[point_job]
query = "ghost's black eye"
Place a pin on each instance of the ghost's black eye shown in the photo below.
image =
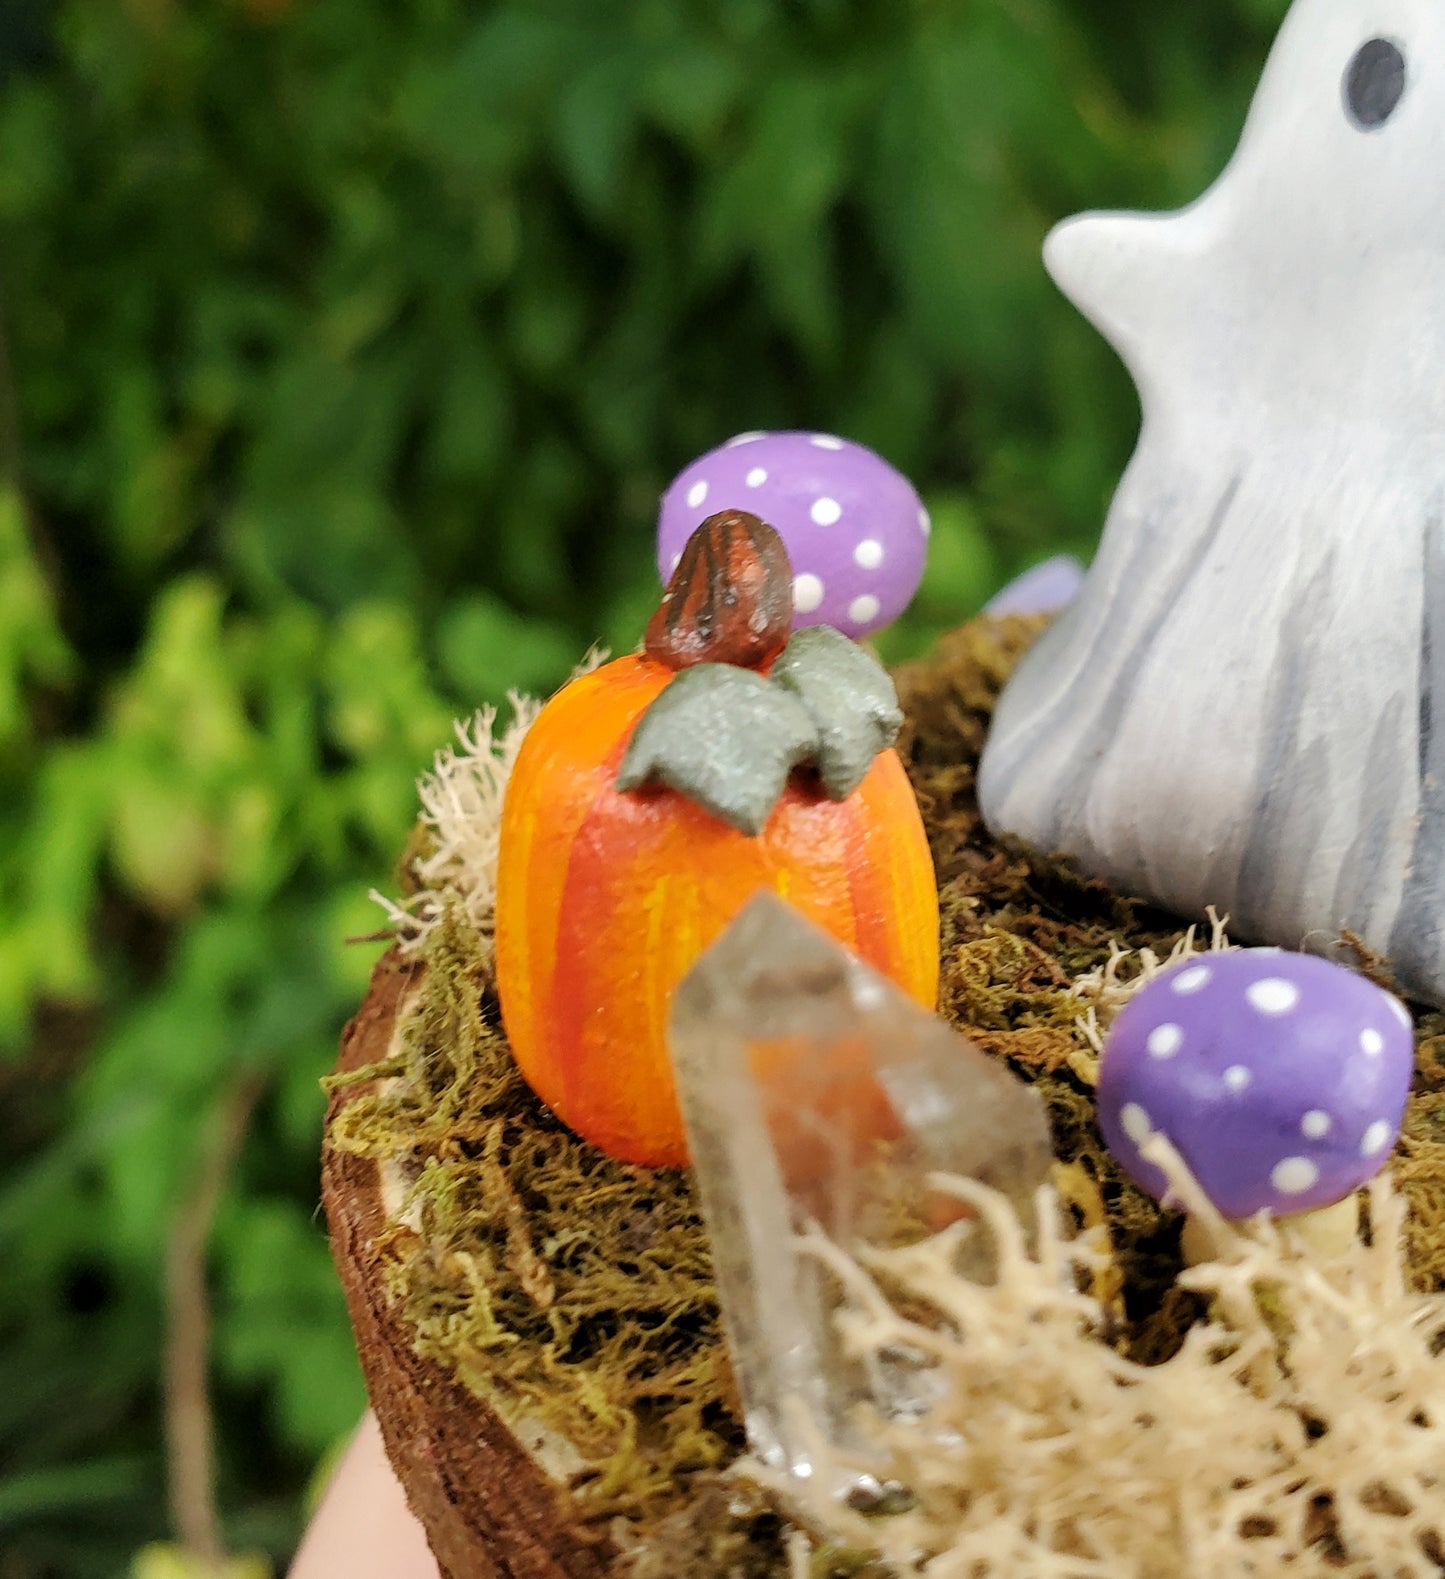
(1374, 82)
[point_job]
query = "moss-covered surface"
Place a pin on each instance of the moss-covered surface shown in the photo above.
(576, 1291)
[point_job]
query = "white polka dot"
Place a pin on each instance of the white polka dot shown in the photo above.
(1273, 995)
(696, 494)
(1191, 980)
(826, 441)
(869, 553)
(744, 438)
(756, 477)
(1294, 1176)
(862, 610)
(807, 593)
(676, 560)
(1316, 1124)
(1402, 1014)
(826, 511)
(1238, 1078)
(1372, 1042)
(1136, 1123)
(1165, 1040)
(1377, 1137)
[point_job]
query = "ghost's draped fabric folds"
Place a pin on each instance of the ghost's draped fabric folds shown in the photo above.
(1246, 705)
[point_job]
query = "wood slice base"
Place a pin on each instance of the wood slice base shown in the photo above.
(497, 1499)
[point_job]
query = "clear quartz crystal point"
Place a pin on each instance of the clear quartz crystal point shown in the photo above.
(816, 1092)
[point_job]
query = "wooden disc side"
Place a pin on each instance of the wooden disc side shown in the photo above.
(489, 1510)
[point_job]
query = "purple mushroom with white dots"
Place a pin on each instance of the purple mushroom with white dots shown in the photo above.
(854, 527)
(1279, 1078)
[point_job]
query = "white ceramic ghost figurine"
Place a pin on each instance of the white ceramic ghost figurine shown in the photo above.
(1245, 706)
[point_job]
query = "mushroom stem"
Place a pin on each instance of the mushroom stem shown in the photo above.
(1328, 1231)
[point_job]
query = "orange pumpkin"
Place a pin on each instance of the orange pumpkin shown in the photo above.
(606, 898)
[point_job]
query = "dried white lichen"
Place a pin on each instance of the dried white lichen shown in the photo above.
(1299, 1431)
(1106, 989)
(461, 808)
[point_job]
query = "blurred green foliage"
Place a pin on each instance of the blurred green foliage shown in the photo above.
(347, 347)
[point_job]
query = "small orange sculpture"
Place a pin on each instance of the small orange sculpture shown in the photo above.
(605, 898)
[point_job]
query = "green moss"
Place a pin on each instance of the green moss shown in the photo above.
(1419, 1163)
(568, 1289)
(577, 1291)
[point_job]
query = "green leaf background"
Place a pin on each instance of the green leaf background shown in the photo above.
(345, 348)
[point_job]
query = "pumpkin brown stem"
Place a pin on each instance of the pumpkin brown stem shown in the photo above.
(730, 599)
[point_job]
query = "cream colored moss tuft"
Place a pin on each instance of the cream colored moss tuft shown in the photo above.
(1299, 1430)
(461, 818)
(1105, 990)
(453, 860)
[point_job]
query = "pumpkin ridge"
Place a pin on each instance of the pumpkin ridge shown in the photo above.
(870, 891)
(616, 901)
(530, 877)
(912, 881)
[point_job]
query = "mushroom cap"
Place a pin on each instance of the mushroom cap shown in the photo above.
(1043, 589)
(1280, 1078)
(854, 527)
